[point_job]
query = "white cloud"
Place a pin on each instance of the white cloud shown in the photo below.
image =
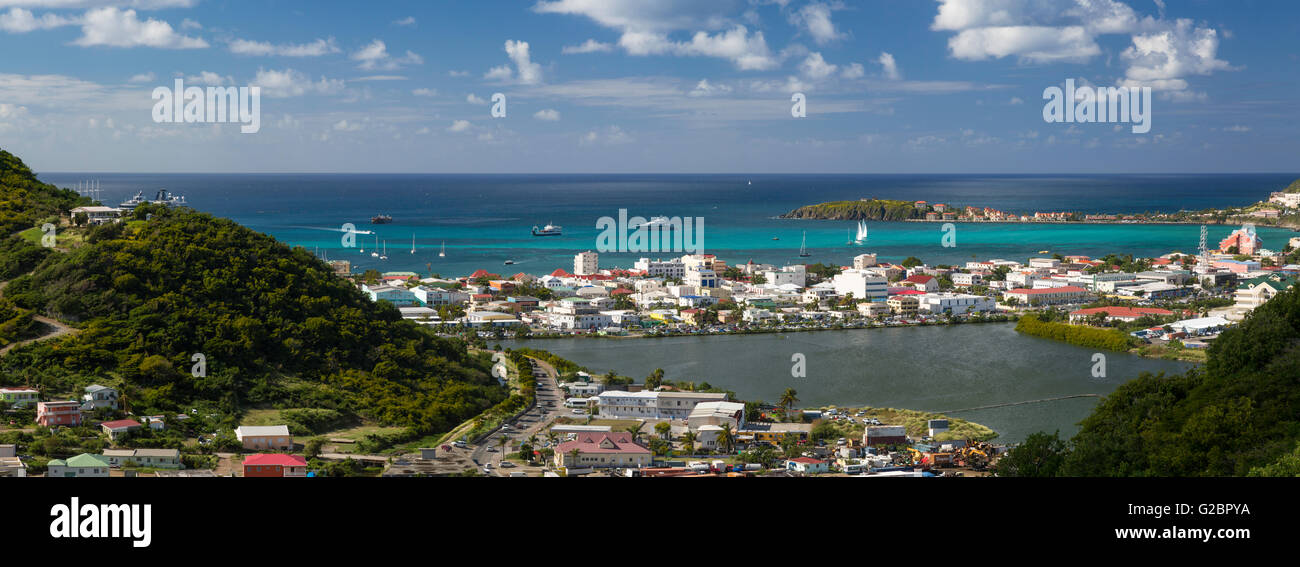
(474, 99)
(288, 83)
(345, 126)
(705, 88)
(425, 92)
(853, 71)
(142, 78)
(374, 56)
(589, 46)
(208, 78)
(77, 4)
(611, 135)
(816, 68)
(407, 21)
(1016, 101)
(1162, 55)
(890, 66)
(1160, 59)
(528, 72)
(815, 20)
(646, 27)
(260, 48)
(188, 24)
(549, 115)
(460, 126)
(18, 20)
(121, 28)
(1237, 128)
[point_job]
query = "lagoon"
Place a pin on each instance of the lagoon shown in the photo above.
(934, 368)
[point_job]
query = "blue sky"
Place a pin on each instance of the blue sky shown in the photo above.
(945, 86)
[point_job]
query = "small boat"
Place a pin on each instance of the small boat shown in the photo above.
(443, 253)
(509, 262)
(412, 242)
(162, 198)
(803, 249)
(374, 252)
(384, 256)
(548, 230)
(1044, 251)
(381, 219)
(776, 238)
(862, 232)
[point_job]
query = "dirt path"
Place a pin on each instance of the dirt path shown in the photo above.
(52, 329)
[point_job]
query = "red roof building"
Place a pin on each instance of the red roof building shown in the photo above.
(602, 450)
(1119, 313)
(274, 465)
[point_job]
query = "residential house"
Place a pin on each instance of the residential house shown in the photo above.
(274, 465)
(50, 414)
(119, 429)
(83, 465)
(19, 397)
(807, 465)
(151, 458)
(265, 437)
(97, 396)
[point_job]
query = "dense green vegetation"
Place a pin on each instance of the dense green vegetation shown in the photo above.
(868, 209)
(1080, 335)
(1294, 187)
(1238, 415)
(26, 202)
(15, 324)
(276, 327)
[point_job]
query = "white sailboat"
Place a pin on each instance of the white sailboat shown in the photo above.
(412, 242)
(384, 256)
(443, 253)
(803, 248)
(862, 232)
(374, 252)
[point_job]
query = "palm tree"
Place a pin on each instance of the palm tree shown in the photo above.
(635, 430)
(788, 399)
(727, 438)
(688, 442)
(573, 456)
(502, 442)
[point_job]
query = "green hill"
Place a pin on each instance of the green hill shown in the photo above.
(276, 326)
(1238, 415)
(866, 209)
(26, 202)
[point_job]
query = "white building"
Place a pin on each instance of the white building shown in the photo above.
(671, 268)
(586, 263)
(793, 275)
(954, 303)
(864, 261)
(862, 284)
(701, 278)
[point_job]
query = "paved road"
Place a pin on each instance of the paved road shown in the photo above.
(528, 424)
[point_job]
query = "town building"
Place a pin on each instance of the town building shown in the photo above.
(904, 305)
(51, 414)
(717, 414)
(119, 429)
(807, 465)
(954, 303)
(97, 396)
(149, 458)
(1047, 296)
(398, 296)
(864, 261)
(1244, 239)
(652, 405)
(884, 435)
(20, 397)
(83, 465)
(586, 263)
(670, 268)
(862, 284)
(274, 465)
(265, 437)
(602, 450)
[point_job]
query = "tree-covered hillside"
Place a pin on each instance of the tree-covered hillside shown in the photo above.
(1238, 415)
(867, 209)
(276, 326)
(24, 201)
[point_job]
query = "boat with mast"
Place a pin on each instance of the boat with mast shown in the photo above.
(443, 253)
(803, 246)
(548, 230)
(384, 256)
(374, 252)
(862, 232)
(412, 242)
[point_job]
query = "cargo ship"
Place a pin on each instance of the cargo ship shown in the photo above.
(381, 219)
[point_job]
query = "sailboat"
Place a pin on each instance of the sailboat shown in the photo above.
(862, 232)
(384, 256)
(443, 253)
(374, 252)
(412, 242)
(850, 238)
(803, 248)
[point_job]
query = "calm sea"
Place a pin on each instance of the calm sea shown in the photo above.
(484, 220)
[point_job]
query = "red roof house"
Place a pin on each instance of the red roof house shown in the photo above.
(604, 449)
(275, 465)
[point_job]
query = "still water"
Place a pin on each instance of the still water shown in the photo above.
(939, 368)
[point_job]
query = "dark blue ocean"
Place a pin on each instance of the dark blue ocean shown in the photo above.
(484, 220)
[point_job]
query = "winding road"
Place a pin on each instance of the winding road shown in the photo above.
(52, 329)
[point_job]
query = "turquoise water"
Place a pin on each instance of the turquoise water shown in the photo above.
(484, 220)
